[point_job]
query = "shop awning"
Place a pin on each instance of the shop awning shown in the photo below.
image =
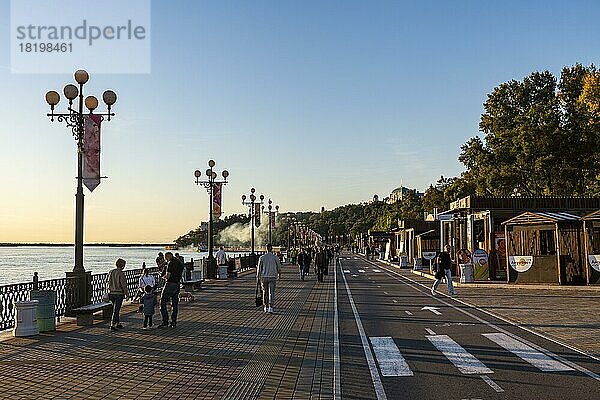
(595, 216)
(536, 218)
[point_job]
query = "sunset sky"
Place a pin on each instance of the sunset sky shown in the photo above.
(313, 103)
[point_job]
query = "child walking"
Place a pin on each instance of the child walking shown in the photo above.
(149, 304)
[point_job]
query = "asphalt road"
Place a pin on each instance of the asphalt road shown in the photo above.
(397, 341)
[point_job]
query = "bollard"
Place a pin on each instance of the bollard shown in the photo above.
(36, 281)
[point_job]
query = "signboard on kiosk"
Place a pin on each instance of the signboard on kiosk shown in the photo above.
(520, 263)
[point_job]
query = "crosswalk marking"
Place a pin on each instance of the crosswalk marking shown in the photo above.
(376, 270)
(389, 358)
(462, 359)
(527, 353)
(361, 271)
(492, 384)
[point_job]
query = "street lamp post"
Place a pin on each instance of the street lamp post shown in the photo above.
(209, 184)
(74, 119)
(270, 212)
(253, 212)
(290, 225)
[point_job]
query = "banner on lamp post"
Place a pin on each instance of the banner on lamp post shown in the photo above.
(272, 220)
(257, 215)
(217, 200)
(91, 151)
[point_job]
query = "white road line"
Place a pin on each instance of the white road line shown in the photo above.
(389, 358)
(79, 339)
(492, 384)
(362, 271)
(346, 271)
(354, 276)
(462, 359)
(408, 312)
(496, 327)
(430, 332)
(385, 292)
(395, 301)
(376, 270)
(432, 309)
(377, 384)
(337, 376)
(527, 353)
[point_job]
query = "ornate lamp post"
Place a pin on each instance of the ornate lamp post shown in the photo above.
(270, 212)
(291, 221)
(209, 184)
(253, 213)
(74, 119)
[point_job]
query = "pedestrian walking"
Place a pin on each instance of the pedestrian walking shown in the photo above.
(307, 261)
(267, 272)
(170, 292)
(301, 263)
(221, 256)
(321, 263)
(329, 259)
(368, 252)
(117, 289)
(148, 302)
(294, 254)
(444, 263)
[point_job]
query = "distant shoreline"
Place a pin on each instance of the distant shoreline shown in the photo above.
(85, 245)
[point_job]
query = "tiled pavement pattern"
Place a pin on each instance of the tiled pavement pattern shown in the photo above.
(223, 347)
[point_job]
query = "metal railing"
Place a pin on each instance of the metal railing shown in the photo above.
(66, 289)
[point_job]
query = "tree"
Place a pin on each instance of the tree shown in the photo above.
(538, 138)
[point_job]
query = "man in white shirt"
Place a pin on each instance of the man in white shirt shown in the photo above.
(221, 256)
(267, 272)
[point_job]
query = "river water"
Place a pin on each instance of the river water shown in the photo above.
(17, 264)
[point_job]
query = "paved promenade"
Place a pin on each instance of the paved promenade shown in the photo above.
(223, 347)
(381, 335)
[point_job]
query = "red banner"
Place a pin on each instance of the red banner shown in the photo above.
(272, 220)
(91, 151)
(217, 199)
(257, 215)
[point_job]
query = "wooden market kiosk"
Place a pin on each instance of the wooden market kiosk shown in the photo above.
(409, 247)
(428, 244)
(591, 227)
(476, 222)
(545, 247)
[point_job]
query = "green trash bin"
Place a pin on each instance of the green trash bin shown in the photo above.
(46, 312)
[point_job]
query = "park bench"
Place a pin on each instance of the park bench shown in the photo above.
(85, 314)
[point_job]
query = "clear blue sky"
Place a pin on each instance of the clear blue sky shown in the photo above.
(315, 103)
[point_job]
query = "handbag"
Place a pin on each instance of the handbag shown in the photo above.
(440, 273)
(258, 295)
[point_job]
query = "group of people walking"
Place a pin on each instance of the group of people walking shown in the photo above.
(171, 270)
(318, 256)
